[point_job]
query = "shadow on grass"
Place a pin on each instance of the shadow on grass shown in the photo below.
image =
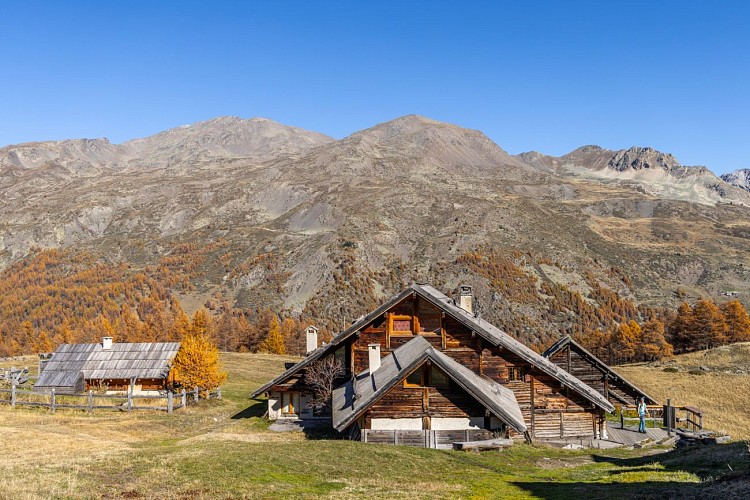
(723, 470)
(257, 409)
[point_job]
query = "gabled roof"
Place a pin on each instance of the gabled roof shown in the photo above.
(356, 396)
(493, 335)
(148, 360)
(598, 363)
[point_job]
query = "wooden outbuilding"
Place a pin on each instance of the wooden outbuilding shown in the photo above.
(75, 368)
(577, 360)
(553, 403)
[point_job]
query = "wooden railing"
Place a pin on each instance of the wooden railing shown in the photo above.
(667, 415)
(127, 402)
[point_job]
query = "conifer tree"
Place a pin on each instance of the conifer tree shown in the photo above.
(653, 345)
(43, 343)
(197, 363)
(274, 343)
(708, 329)
(737, 322)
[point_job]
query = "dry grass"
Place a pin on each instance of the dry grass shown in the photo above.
(721, 393)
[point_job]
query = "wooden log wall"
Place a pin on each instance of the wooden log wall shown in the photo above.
(571, 361)
(433, 402)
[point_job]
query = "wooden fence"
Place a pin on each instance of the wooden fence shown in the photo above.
(93, 401)
(666, 416)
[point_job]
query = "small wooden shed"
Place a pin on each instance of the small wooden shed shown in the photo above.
(75, 368)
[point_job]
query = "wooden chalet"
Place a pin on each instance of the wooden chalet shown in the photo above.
(74, 368)
(575, 359)
(435, 390)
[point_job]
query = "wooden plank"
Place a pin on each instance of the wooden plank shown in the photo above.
(491, 444)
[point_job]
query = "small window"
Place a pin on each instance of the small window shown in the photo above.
(401, 324)
(415, 378)
(438, 378)
(516, 373)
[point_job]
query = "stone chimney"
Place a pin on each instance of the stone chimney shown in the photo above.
(106, 343)
(373, 351)
(312, 338)
(466, 299)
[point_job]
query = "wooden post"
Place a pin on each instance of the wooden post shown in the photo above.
(184, 398)
(91, 401)
(52, 401)
(668, 416)
(195, 397)
(169, 402)
(130, 394)
(622, 418)
(218, 393)
(13, 394)
(531, 389)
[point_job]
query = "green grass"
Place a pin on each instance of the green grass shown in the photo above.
(224, 449)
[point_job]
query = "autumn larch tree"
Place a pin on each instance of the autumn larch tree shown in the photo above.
(708, 328)
(274, 343)
(653, 345)
(197, 363)
(737, 322)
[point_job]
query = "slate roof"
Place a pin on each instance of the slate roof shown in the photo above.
(483, 328)
(354, 397)
(147, 360)
(598, 363)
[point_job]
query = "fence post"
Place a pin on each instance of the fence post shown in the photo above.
(668, 417)
(91, 401)
(169, 402)
(184, 397)
(196, 394)
(52, 401)
(13, 395)
(218, 393)
(622, 419)
(130, 398)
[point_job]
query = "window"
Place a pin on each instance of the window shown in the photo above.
(438, 378)
(516, 373)
(290, 403)
(401, 324)
(427, 376)
(415, 378)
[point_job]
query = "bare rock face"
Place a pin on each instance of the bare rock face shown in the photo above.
(637, 158)
(739, 178)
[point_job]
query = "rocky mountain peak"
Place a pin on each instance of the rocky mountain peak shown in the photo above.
(739, 178)
(637, 158)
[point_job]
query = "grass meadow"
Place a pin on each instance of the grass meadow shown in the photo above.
(224, 449)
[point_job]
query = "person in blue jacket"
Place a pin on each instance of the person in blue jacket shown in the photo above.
(642, 415)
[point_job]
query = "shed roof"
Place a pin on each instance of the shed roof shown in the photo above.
(598, 363)
(354, 397)
(483, 328)
(144, 360)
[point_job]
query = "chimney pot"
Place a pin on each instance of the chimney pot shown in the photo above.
(373, 351)
(312, 338)
(466, 299)
(106, 343)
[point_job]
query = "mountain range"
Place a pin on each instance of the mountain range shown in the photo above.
(289, 217)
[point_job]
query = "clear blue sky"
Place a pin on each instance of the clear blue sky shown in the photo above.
(549, 76)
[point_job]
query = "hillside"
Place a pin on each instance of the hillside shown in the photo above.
(251, 214)
(224, 449)
(716, 381)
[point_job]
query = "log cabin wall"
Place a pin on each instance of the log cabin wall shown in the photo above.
(425, 403)
(573, 362)
(558, 412)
